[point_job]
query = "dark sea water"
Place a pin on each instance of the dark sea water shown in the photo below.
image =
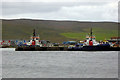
(59, 64)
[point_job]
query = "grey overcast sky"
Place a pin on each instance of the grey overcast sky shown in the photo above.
(76, 10)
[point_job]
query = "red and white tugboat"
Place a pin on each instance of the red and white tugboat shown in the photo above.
(91, 44)
(90, 40)
(32, 45)
(35, 40)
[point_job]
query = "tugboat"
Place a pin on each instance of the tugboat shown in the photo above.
(32, 45)
(35, 40)
(90, 44)
(36, 45)
(90, 40)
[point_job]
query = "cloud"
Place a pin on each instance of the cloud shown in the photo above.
(24, 7)
(60, 0)
(85, 11)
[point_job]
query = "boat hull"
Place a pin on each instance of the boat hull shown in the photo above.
(84, 48)
(34, 48)
(94, 48)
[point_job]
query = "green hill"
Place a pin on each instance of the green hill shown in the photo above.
(57, 31)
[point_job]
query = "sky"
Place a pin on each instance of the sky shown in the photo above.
(73, 10)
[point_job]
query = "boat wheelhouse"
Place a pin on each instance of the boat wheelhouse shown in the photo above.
(90, 40)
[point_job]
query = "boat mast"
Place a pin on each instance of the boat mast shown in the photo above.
(34, 34)
(91, 34)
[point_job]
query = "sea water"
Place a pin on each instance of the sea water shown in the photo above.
(59, 64)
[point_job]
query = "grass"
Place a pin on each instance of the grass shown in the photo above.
(101, 34)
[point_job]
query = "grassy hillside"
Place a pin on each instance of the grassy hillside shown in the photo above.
(100, 33)
(56, 31)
